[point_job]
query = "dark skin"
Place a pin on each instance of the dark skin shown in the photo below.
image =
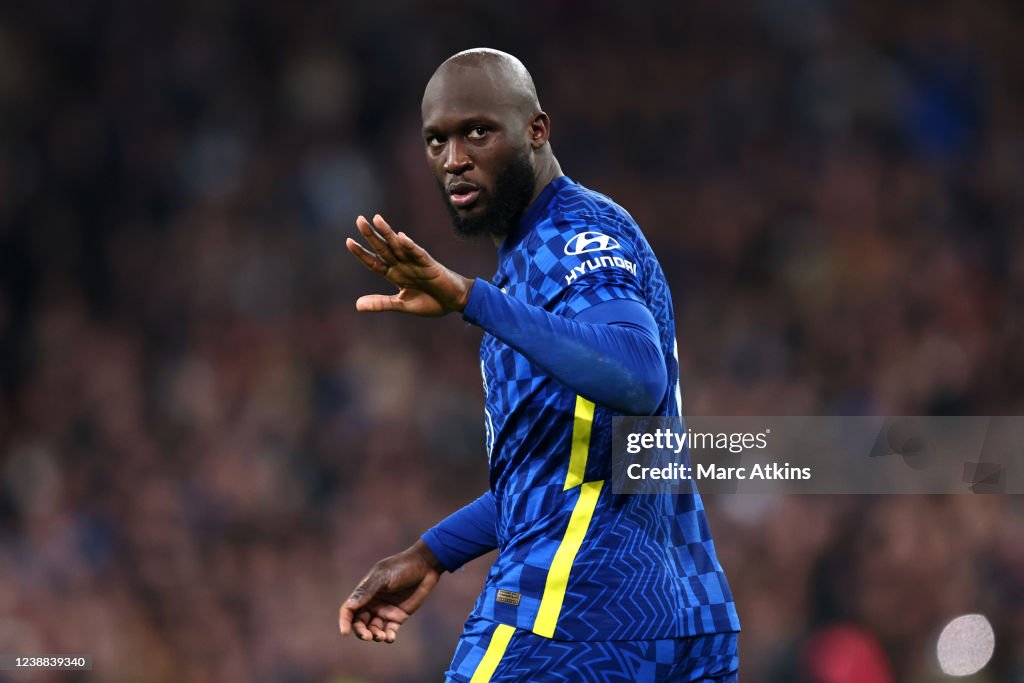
(476, 121)
(480, 113)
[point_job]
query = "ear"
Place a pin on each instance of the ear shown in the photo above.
(540, 130)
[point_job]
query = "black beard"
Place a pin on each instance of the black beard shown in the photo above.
(513, 190)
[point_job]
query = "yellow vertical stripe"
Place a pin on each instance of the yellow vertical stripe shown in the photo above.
(558, 575)
(581, 422)
(495, 651)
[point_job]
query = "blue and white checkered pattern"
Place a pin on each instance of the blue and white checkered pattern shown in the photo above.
(646, 568)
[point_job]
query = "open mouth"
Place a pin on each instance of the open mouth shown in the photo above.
(463, 194)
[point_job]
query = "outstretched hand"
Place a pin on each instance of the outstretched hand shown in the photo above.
(425, 287)
(389, 594)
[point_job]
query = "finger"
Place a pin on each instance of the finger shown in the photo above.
(376, 627)
(368, 258)
(361, 626)
(378, 303)
(391, 630)
(345, 616)
(393, 617)
(392, 613)
(362, 633)
(400, 245)
(413, 252)
(366, 590)
(351, 617)
(374, 239)
(385, 231)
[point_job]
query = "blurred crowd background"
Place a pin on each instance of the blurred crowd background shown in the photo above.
(203, 447)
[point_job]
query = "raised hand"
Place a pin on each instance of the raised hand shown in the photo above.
(389, 594)
(425, 287)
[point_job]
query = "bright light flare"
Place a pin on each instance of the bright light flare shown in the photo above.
(966, 645)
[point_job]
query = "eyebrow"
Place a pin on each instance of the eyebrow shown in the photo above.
(466, 122)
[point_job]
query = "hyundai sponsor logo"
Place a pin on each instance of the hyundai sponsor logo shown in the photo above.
(589, 241)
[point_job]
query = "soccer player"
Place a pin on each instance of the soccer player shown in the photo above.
(588, 585)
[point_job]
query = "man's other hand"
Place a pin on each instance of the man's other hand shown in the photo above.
(389, 594)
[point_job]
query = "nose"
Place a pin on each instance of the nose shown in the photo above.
(457, 159)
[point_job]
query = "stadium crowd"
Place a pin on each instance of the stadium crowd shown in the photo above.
(201, 444)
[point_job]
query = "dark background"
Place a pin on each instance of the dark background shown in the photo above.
(203, 447)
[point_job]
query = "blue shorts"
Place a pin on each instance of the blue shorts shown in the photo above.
(496, 653)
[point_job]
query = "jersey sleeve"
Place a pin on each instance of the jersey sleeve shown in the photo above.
(608, 355)
(590, 261)
(466, 534)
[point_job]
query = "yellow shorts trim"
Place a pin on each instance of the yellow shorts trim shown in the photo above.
(495, 651)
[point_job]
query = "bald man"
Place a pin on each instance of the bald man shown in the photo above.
(589, 585)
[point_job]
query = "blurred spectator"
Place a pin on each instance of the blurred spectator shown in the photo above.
(844, 654)
(200, 443)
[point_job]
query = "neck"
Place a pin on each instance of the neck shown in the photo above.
(545, 170)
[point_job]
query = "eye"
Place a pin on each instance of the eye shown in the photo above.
(477, 133)
(435, 141)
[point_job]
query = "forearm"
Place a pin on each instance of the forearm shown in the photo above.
(617, 365)
(465, 534)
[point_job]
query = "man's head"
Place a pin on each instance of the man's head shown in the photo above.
(486, 140)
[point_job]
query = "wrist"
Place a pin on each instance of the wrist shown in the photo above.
(421, 549)
(463, 300)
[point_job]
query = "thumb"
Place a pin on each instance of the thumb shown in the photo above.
(376, 303)
(367, 589)
(363, 593)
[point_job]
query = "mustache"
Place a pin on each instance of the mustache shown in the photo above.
(505, 200)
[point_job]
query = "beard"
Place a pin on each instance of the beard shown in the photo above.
(513, 190)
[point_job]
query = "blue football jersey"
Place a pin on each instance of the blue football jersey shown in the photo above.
(575, 561)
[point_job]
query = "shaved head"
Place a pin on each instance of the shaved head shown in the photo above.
(486, 139)
(508, 78)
